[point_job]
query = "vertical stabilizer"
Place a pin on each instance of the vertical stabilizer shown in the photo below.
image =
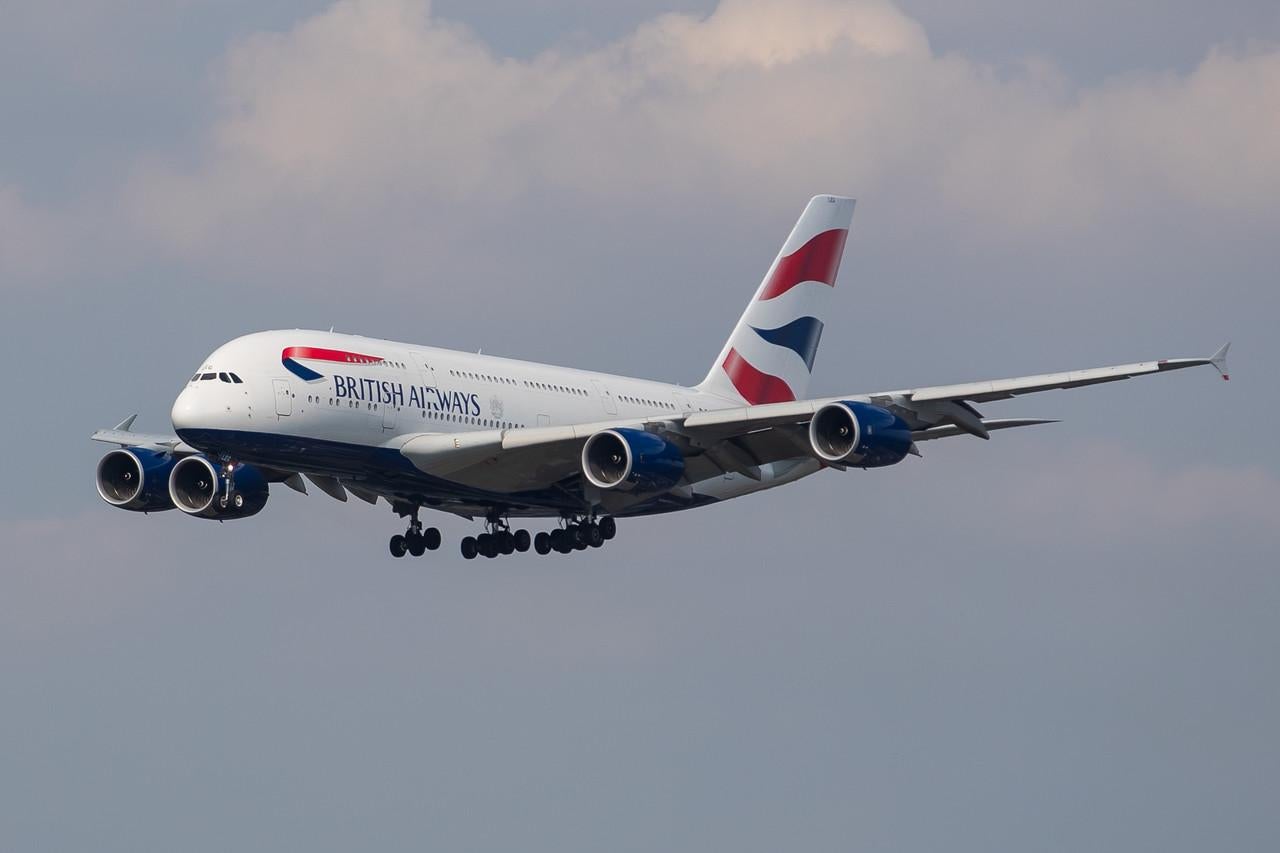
(769, 357)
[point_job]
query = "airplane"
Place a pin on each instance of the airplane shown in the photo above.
(497, 439)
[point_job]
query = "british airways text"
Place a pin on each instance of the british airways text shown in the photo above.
(383, 391)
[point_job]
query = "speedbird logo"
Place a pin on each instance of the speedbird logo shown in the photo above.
(372, 390)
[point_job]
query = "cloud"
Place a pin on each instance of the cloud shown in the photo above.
(28, 239)
(373, 110)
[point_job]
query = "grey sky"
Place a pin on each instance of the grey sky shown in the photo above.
(1062, 639)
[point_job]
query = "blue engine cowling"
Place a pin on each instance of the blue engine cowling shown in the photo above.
(136, 478)
(631, 460)
(198, 486)
(859, 434)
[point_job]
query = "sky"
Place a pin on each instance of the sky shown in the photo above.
(1061, 639)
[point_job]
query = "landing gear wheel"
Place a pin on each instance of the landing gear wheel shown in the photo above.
(522, 540)
(506, 542)
(594, 537)
(431, 536)
(542, 543)
(238, 500)
(397, 546)
(469, 548)
(608, 527)
(416, 544)
(560, 542)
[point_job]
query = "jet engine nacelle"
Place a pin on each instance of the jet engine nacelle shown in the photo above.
(136, 478)
(859, 434)
(631, 460)
(198, 487)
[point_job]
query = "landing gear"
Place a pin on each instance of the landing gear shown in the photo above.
(497, 540)
(416, 540)
(576, 535)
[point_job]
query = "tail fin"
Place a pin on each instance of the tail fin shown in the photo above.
(769, 356)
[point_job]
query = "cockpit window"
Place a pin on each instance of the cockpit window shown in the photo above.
(225, 378)
(195, 378)
(236, 379)
(207, 376)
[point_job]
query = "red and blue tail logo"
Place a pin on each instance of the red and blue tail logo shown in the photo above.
(769, 357)
(290, 358)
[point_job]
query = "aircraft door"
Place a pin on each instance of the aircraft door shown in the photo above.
(610, 404)
(284, 397)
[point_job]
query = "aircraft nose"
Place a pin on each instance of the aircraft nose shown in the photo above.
(193, 409)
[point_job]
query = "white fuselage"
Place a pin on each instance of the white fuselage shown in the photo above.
(333, 390)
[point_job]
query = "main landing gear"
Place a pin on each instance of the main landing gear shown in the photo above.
(497, 539)
(415, 540)
(575, 535)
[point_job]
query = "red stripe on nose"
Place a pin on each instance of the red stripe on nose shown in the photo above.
(755, 386)
(816, 260)
(321, 354)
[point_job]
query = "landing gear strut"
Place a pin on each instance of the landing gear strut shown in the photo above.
(415, 540)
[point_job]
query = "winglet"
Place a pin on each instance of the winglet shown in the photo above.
(1219, 360)
(127, 424)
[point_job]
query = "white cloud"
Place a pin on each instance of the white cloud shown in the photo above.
(374, 111)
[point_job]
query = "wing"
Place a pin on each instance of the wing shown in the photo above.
(742, 439)
(123, 435)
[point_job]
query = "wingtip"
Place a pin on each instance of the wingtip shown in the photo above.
(1219, 360)
(126, 424)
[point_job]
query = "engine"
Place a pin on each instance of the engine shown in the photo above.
(199, 487)
(631, 460)
(859, 434)
(135, 478)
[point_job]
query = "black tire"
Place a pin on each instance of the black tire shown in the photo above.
(542, 543)
(489, 549)
(561, 542)
(522, 540)
(469, 548)
(608, 527)
(432, 537)
(417, 545)
(397, 546)
(595, 538)
(506, 542)
(577, 534)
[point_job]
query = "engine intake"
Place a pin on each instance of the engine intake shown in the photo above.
(859, 434)
(631, 460)
(198, 487)
(136, 479)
